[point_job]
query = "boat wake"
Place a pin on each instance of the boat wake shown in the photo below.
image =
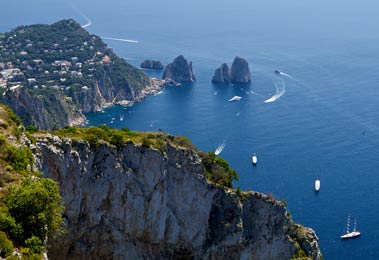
(280, 90)
(88, 21)
(286, 75)
(220, 148)
(120, 40)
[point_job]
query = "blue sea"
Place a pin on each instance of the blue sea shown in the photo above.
(322, 122)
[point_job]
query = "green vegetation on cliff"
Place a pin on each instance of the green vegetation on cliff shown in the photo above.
(216, 169)
(30, 206)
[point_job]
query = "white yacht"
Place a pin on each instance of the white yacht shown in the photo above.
(352, 234)
(317, 185)
(235, 98)
(254, 159)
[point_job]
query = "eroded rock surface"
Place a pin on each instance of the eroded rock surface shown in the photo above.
(180, 70)
(136, 203)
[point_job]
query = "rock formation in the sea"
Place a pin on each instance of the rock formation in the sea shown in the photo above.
(152, 64)
(180, 70)
(240, 71)
(222, 75)
(137, 202)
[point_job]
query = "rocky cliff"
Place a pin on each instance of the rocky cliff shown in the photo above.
(136, 202)
(240, 71)
(222, 75)
(152, 64)
(180, 70)
(64, 72)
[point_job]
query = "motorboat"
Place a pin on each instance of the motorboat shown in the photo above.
(317, 185)
(254, 159)
(277, 71)
(235, 98)
(352, 234)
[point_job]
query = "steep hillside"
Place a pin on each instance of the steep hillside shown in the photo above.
(51, 74)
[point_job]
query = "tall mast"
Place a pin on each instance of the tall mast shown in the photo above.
(348, 225)
(355, 225)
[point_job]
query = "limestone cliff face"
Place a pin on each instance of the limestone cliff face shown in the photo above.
(137, 203)
(180, 70)
(152, 64)
(240, 72)
(45, 112)
(222, 75)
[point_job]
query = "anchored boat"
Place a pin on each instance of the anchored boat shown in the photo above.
(235, 98)
(254, 159)
(317, 185)
(352, 234)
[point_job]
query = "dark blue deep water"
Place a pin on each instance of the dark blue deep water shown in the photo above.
(324, 126)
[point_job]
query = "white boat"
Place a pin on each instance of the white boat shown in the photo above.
(235, 98)
(121, 117)
(254, 159)
(352, 234)
(317, 185)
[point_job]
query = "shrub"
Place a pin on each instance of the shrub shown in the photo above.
(217, 170)
(6, 246)
(31, 129)
(19, 158)
(146, 142)
(35, 205)
(117, 139)
(35, 244)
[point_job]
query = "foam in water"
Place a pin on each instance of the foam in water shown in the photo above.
(286, 75)
(89, 22)
(220, 148)
(119, 39)
(279, 92)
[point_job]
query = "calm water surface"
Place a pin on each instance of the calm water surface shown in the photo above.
(324, 126)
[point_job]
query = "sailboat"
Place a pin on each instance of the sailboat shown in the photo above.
(352, 234)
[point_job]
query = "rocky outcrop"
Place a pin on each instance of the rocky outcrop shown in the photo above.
(240, 72)
(134, 202)
(152, 64)
(46, 113)
(66, 84)
(222, 75)
(180, 70)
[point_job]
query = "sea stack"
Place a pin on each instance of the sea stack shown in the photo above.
(240, 72)
(222, 75)
(180, 70)
(152, 64)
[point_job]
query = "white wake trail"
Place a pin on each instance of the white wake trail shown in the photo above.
(286, 75)
(120, 40)
(85, 17)
(279, 92)
(220, 148)
(89, 22)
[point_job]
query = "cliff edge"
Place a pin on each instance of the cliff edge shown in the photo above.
(130, 200)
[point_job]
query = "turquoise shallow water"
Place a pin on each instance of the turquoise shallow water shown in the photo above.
(324, 126)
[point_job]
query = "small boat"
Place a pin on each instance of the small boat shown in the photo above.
(121, 117)
(254, 159)
(317, 185)
(352, 234)
(277, 71)
(235, 98)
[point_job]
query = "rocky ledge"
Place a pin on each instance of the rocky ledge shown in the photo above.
(180, 70)
(152, 64)
(136, 202)
(222, 75)
(240, 72)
